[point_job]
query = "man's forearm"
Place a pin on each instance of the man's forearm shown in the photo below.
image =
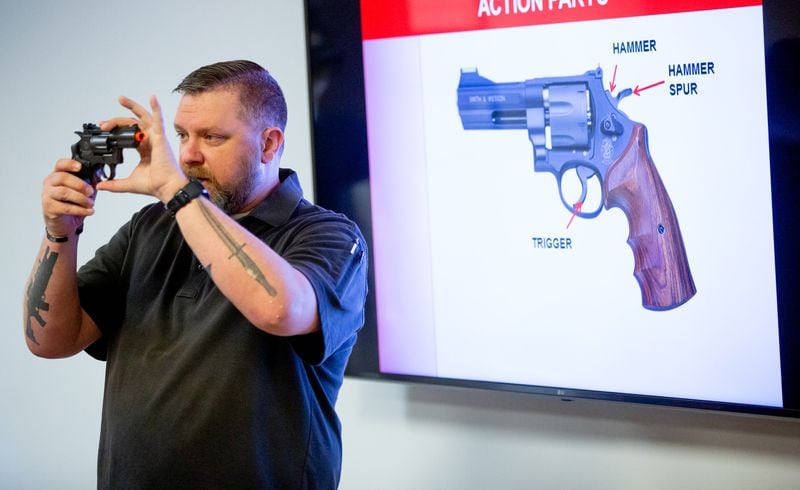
(53, 319)
(273, 295)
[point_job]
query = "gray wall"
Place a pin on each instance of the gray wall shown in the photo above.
(65, 64)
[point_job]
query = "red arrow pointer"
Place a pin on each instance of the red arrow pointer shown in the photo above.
(578, 206)
(637, 89)
(613, 84)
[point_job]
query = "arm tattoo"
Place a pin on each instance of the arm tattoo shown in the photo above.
(238, 251)
(36, 289)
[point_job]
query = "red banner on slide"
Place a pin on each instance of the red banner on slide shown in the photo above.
(397, 18)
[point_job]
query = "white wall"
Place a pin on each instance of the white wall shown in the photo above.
(65, 64)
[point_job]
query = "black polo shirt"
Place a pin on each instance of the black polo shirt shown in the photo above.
(195, 395)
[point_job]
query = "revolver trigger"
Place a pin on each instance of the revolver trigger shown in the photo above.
(111, 172)
(584, 174)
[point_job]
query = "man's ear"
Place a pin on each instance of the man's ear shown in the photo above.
(271, 144)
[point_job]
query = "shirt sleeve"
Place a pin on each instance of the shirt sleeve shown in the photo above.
(332, 254)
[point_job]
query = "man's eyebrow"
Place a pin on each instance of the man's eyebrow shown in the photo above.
(202, 130)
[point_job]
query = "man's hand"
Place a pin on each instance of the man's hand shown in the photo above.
(66, 199)
(158, 173)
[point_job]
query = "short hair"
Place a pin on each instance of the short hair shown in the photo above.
(261, 99)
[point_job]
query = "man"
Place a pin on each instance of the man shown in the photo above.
(226, 321)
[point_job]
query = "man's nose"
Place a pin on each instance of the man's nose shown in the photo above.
(190, 153)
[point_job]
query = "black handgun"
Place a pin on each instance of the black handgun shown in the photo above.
(97, 149)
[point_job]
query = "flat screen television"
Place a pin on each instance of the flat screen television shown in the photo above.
(576, 198)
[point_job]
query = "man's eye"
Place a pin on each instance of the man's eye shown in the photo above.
(181, 136)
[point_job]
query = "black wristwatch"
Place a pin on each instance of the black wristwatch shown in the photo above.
(184, 196)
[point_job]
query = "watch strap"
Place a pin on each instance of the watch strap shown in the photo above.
(55, 238)
(184, 196)
(61, 239)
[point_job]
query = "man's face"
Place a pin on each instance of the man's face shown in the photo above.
(218, 148)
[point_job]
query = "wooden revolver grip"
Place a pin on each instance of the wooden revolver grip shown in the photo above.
(660, 265)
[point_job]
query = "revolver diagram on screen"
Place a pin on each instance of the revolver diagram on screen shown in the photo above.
(574, 125)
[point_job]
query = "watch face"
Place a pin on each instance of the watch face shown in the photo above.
(190, 191)
(193, 189)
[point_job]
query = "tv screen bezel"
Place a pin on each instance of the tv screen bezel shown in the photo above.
(339, 158)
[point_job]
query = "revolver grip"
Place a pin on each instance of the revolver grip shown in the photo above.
(660, 266)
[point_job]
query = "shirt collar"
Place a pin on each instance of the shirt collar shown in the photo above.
(279, 205)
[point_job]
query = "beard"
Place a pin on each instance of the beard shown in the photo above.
(231, 198)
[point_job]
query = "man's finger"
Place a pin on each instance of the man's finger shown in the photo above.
(155, 106)
(67, 165)
(114, 122)
(116, 185)
(134, 107)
